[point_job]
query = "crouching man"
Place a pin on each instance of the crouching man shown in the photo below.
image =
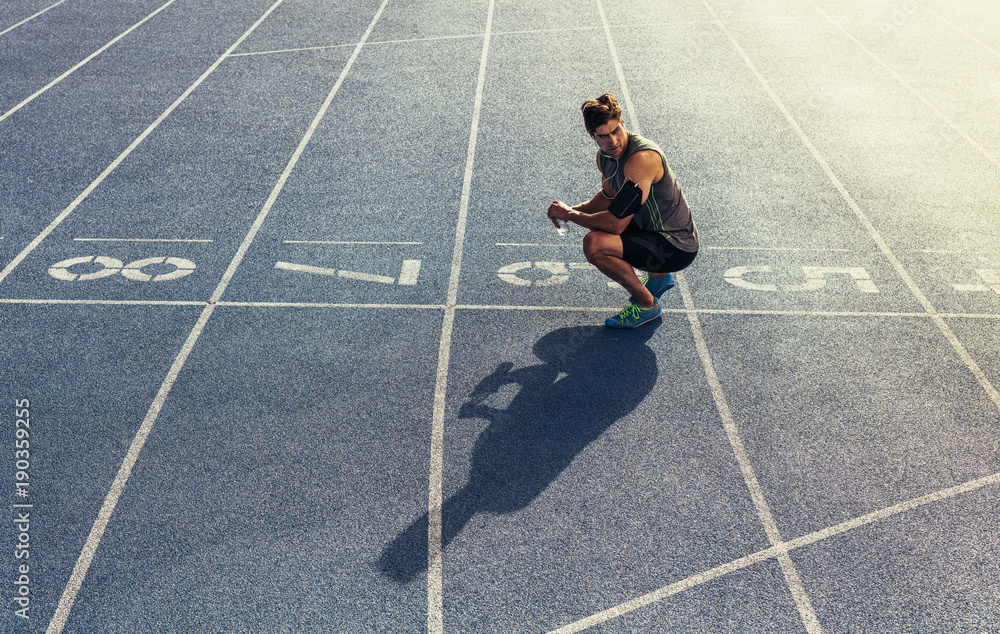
(639, 218)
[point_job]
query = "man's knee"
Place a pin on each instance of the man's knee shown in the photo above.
(595, 245)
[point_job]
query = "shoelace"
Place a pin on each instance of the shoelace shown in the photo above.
(631, 310)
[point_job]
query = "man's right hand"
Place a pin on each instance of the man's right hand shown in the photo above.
(559, 210)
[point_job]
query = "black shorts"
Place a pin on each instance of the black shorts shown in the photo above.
(652, 252)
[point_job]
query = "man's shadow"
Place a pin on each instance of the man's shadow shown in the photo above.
(589, 378)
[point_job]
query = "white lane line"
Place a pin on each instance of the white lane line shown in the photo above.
(896, 509)
(575, 245)
(792, 579)
(961, 32)
(121, 157)
(72, 588)
(905, 84)
(330, 305)
(876, 237)
(29, 19)
(667, 591)
(75, 581)
(948, 252)
(817, 250)
(770, 553)
(85, 60)
(629, 26)
(372, 43)
(505, 307)
(626, 94)
(435, 611)
(266, 209)
(293, 50)
(645, 25)
(104, 302)
(138, 240)
(343, 242)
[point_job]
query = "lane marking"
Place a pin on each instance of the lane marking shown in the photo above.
(343, 242)
(947, 252)
(817, 250)
(138, 240)
(366, 277)
(905, 84)
(304, 268)
(645, 25)
(373, 43)
(626, 26)
(503, 307)
(75, 582)
(317, 270)
(703, 248)
(792, 579)
(29, 19)
(960, 31)
(575, 245)
(182, 267)
(816, 278)
(121, 157)
(104, 302)
(771, 553)
(991, 282)
(293, 50)
(85, 60)
(876, 237)
(409, 272)
(330, 305)
(110, 266)
(72, 588)
(435, 610)
(266, 209)
(735, 277)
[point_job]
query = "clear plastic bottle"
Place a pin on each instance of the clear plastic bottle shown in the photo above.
(562, 226)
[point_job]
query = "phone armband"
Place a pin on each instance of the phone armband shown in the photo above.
(627, 201)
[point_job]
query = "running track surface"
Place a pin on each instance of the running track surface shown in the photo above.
(288, 344)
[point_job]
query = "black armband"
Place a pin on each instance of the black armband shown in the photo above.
(627, 201)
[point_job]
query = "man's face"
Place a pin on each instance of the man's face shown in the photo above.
(611, 138)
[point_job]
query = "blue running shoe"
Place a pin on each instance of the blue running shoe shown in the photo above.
(633, 316)
(659, 284)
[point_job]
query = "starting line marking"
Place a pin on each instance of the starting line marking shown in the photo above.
(138, 240)
(407, 274)
(344, 242)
